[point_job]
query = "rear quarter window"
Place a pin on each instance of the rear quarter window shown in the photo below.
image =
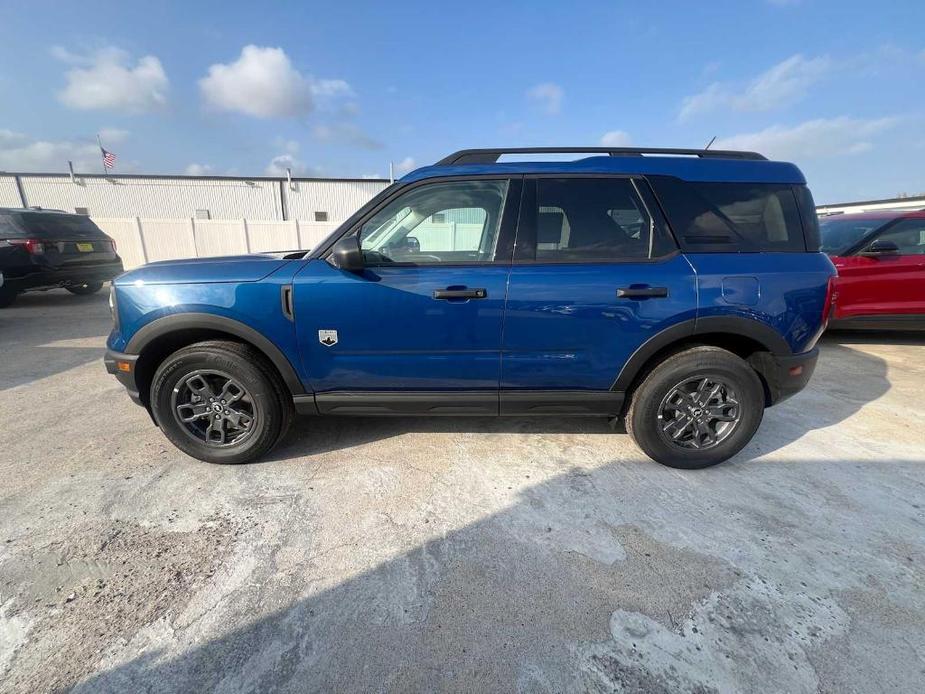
(731, 217)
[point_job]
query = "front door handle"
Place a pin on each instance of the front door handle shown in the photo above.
(460, 293)
(642, 292)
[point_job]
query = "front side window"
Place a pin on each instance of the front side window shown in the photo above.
(593, 219)
(908, 235)
(454, 222)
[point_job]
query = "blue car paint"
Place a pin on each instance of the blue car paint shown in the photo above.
(791, 289)
(541, 326)
(392, 333)
(255, 303)
(234, 268)
(565, 327)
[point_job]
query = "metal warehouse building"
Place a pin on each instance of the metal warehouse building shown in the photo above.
(201, 197)
(166, 217)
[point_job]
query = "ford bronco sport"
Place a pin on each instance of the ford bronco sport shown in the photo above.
(681, 289)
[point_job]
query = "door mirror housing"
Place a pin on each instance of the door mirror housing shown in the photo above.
(347, 255)
(879, 248)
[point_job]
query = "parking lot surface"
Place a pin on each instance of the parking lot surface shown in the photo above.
(455, 554)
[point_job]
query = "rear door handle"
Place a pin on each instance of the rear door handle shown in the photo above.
(642, 292)
(460, 293)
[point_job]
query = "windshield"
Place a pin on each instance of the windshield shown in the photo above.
(842, 232)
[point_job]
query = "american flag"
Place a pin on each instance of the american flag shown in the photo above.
(109, 159)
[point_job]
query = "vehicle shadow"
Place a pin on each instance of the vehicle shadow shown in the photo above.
(847, 377)
(46, 333)
(315, 435)
(829, 399)
(522, 599)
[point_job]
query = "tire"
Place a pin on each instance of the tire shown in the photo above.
(266, 401)
(85, 289)
(7, 297)
(672, 389)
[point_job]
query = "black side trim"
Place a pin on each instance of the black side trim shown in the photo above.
(730, 325)
(903, 321)
(561, 402)
(126, 378)
(408, 403)
(460, 403)
(775, 369)
(285, 296)
(186, 321)
(305, 404)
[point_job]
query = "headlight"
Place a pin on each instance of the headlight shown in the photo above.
(113, 309)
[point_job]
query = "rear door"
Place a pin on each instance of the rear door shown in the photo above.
(596, 273)
(885, 285)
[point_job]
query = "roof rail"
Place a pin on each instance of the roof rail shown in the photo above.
(491, 156)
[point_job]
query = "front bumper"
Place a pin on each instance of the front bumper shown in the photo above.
(122, 366)
(47, 278)
(784, 375)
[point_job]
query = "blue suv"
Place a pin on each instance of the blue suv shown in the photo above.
(682, 290)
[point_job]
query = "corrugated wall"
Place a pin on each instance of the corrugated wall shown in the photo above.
(155, 197)
(9, 195)
(339, 199)
(169, 197)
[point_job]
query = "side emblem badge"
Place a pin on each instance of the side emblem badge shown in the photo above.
(327, 337)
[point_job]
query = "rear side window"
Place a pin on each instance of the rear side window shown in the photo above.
(593, 219)
(731, 217)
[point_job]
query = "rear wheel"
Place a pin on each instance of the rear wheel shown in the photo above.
(7, 297)
(697, 408)
(84, 289)
(221, 402)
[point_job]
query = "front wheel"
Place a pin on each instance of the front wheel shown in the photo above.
(85, 289)
(697, 408)
(220, 402)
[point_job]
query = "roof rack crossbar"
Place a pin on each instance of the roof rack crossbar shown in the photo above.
(491, 156)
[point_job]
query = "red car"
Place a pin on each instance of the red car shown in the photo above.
(880, 258)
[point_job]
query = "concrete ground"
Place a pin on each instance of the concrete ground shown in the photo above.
(467, 555)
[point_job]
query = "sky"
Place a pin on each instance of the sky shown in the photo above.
(343, 88)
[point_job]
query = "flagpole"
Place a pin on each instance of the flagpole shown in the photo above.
(102, 156)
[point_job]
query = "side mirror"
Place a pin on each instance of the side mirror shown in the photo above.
(347, 255)
(880, 247)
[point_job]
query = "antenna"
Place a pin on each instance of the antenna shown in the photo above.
(712, 140)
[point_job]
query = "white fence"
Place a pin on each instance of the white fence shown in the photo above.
(143, 240)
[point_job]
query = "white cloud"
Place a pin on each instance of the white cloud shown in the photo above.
(345, 133)
(784, 83)
(822, 137)
(113, 136)
(108, 80)
(19, 152)
(615, 138)
(281, 162)
(199, 169)
(548, 95)
(263, 83)
(404, 166)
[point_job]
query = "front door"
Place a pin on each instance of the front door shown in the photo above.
(596, 273)
(885, 285)
(419, 329)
